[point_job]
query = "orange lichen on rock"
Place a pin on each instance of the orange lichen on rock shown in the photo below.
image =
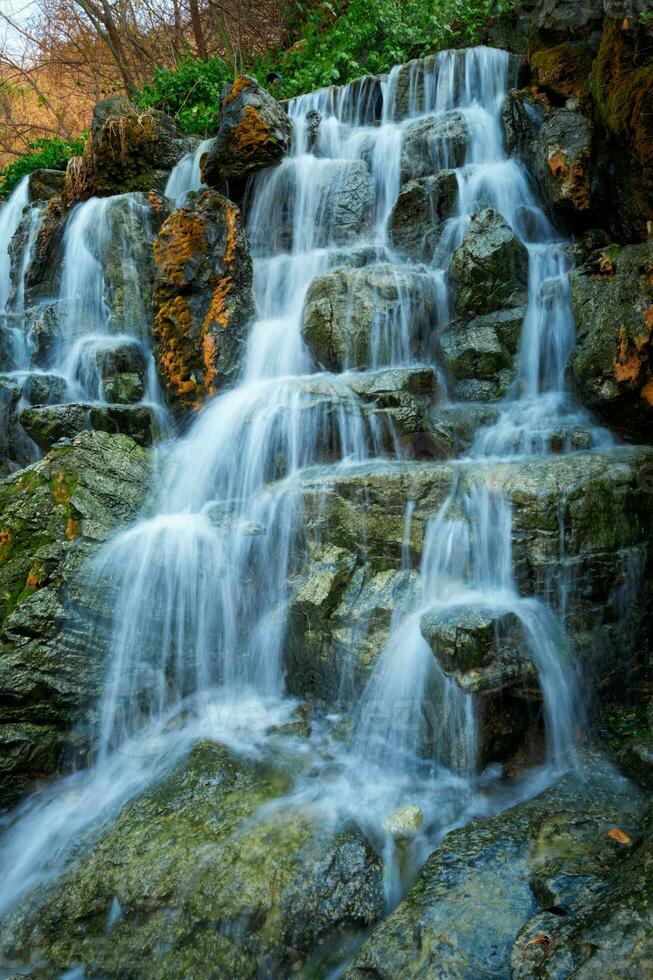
(36, 576)
(647, 393)
(632, 358)
(182, 237)
(574, 180)
(239, 85)
(73, 528)
(251, 135)
(564, 69)
(6, 543)
(59, 488)
(175, 349)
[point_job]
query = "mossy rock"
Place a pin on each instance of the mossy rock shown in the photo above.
(204, 883)
(53, 517)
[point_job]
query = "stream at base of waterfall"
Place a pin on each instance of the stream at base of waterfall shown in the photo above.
(200, 586)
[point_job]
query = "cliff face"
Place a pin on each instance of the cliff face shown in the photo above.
(398, 339)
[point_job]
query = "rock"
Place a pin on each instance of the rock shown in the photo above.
(46, 424)
(579, 530)
(126, 148)
(46, 184)
(611, 934)
(563, 70)
(561, 162)
(491, 878)
(622, 88)
(480, 354)
(344, 208)
(44, 389)
(432, 144)
(636, 759)
(489, 269)
(122, 370)
(521, 118)
(405, 823)
(254, 133)
(203, 298)
(204, 882)
(612, 362)
(418, 213)
(53, 516)
(354, 317)
(484, 649)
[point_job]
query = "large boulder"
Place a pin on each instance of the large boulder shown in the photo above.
(612, 362)
(203, 297)
(254, 132)
(342, 209)
(418, 213)
(53, 517)
(201, 885)
(45, 184)
(489, 269)
(127, 150)
(561, 161)
(356, 318)
(505, 896)
(433, 143)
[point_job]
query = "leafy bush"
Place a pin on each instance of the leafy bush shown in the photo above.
(190, 92)
(52, 154)
(340, 41)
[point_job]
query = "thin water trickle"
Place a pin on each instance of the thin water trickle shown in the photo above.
(200, 589)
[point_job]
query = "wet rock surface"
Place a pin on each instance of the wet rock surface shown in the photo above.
(353, 317)
(416, 219)
(512, 894)
(197, 877)
(489, 268)
(54, 516)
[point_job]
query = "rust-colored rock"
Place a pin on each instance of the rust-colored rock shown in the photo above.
(254, 133)
(564, 69)
(203, 298)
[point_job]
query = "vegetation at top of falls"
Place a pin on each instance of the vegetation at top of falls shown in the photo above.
(339, 41)
(51, 154)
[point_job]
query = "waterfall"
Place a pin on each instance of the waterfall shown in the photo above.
(185, 177)
(199, 587)
(10, 217)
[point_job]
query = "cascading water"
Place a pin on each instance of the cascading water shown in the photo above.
(200, 589)
(186, 177)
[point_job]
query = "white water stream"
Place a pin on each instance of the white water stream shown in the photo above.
(200, 588)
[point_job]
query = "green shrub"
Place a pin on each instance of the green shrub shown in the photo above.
(190, 92)
(51, 154)
(342, 40)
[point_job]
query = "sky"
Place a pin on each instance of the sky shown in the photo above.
(19, 10)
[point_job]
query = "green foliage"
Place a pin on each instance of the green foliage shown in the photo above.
(190, 93)
(340, 41)
(348, 39)
(51, 154)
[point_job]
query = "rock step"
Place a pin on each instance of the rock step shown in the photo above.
(46, 424)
